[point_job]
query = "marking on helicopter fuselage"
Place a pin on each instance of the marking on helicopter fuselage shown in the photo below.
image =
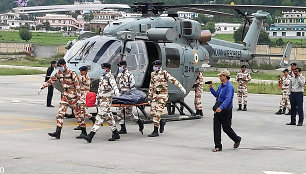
(195, 58)
(218, 52)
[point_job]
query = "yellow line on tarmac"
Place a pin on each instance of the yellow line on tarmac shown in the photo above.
(22, 130)
(23, 118)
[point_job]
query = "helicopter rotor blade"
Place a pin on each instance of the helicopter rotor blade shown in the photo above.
(51, 8)
(202, 11)
(229, 6)
(243, 31)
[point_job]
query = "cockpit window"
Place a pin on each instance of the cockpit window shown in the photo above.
(75, 50)
(96, 49)
(172, 58)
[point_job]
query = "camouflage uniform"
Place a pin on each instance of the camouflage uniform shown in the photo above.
(107, 87)
(126, 83)
(84, 88)
(158, 93)
(285, 102)
(291, 73)
(70, 96)
(198, 91)
(243, 79)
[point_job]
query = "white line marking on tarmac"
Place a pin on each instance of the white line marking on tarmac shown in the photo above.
(274, 172)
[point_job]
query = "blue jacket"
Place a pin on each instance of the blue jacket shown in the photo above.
(225, 94)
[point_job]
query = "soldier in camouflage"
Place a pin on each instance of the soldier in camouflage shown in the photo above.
(243, 78)
(107, 87)
(84, 82)
(158, 95)
(285, 101)
(198, 88)
(71, 97)
(126, 83)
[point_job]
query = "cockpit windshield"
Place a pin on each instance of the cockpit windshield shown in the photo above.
(97, 49)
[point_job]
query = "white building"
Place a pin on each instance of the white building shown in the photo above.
(291, 25)
(187, 15)
(226, 28)
(104, 17)
(62, 21)
(12, 20)
(19, 23)
(8, 16)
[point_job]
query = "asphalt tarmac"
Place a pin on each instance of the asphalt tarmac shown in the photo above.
(268, 145)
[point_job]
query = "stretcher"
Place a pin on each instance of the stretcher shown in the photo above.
(140, 106)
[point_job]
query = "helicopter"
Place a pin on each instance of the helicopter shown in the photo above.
(179, 43)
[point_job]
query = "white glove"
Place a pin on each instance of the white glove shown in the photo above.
(117, 93)
(39, 91)
(183, 91)
(79, 102)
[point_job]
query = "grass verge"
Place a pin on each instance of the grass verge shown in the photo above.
(38, 38)
(255, 88)
(17, 71)
(261, 76)
(31, 61)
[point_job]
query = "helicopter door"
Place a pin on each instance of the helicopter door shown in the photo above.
(137, 60)
(173, 59)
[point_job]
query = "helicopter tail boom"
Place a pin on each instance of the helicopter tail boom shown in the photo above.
(285, 56)
(251, 38)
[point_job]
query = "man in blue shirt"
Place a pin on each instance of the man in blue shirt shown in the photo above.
(223, 111)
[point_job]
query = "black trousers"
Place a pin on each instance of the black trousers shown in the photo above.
(296, 100)
(50, 95)
(224, 119)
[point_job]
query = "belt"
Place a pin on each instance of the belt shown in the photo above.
(160, 92)
(69, 89)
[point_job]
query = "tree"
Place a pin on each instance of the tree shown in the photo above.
(264, 38)
(211, 27)
(279, 42)
(88, 17)
(25, 34)
(238, 34)
(202, 19)
(46, 25)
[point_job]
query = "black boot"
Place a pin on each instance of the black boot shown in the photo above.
(284, 110)
(57, 133)
(141, 125)
(123, 129)
(279, 112)
(77, 128)
(289, 113)
(154, 133)
(115, 136)
(93, 119)
(82, 133)
(240, 107)
(244, 108)
(182, 110)
(162, 125)
(89, 136)
(199, 112)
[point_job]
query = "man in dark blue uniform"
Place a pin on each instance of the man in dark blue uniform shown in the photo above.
(50, 88)
(223, 111)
